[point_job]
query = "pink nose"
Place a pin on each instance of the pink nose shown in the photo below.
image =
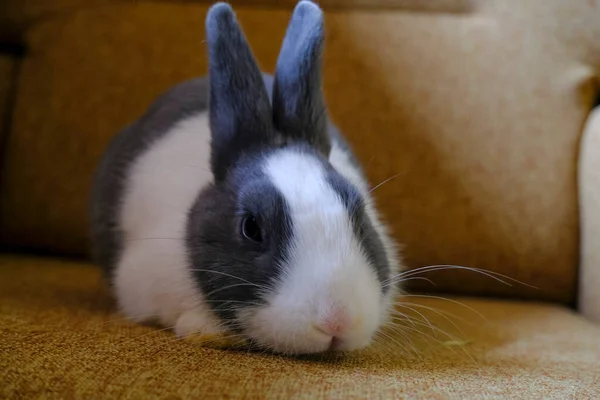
(335, 323)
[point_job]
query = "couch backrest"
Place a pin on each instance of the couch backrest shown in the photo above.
(479, 108)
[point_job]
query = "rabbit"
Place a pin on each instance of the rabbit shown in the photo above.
(235, 206)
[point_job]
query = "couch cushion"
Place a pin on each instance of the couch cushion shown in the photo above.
(480, 113)
(59, 338)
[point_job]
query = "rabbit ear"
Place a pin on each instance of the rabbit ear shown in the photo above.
(239, 108)
(298, 103)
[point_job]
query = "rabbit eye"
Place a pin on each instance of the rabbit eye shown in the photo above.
(251, 230)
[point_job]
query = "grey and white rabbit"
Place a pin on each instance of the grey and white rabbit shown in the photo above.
(235, 206)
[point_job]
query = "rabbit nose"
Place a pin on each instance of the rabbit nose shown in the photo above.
(335, 323)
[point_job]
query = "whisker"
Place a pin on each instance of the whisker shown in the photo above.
(153, 331)
(241, 302)
(377, 342)
(414, 278)
(222, 273)
(428, 336)
(196, 167)
(434, 329)
(370, 161)
(406, 336)
(492, 274)
(445, 299)
(406, 316)
(486, 273)
(388, 347)
(424, 318)
(130, 319)
(439, 312)
(397, 325)
(233, 286)
(385, 181)
(389, 337)
(405, 333)
(150, 238)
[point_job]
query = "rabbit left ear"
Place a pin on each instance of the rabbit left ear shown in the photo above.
(299, 111)
(239, 108)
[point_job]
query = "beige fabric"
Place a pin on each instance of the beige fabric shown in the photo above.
(589, 192)
(480, 113)
(59, 338)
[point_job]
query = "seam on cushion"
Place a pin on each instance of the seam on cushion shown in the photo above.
(23, 24)
(42, 16)
(6, 116)
(15, 50)
(433, 6)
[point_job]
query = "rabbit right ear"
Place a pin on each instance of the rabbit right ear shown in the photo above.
(298, 102)
(239, 108)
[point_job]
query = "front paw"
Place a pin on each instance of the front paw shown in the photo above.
(194, 323)
(196, 327)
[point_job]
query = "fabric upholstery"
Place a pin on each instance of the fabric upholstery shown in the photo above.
(479, 113)
(589, 189)
(60, 339)
(479, 105)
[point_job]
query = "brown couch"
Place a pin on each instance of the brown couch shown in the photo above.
(483, 107)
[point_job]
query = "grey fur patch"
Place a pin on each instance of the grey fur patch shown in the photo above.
(232, 270)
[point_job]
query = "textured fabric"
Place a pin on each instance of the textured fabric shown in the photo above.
(60, 339)
(479, 113)
(589, 189)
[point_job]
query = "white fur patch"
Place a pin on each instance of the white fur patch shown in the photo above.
(153, 278)
(327, 269)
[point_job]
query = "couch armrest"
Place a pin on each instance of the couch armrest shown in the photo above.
(589, 203)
